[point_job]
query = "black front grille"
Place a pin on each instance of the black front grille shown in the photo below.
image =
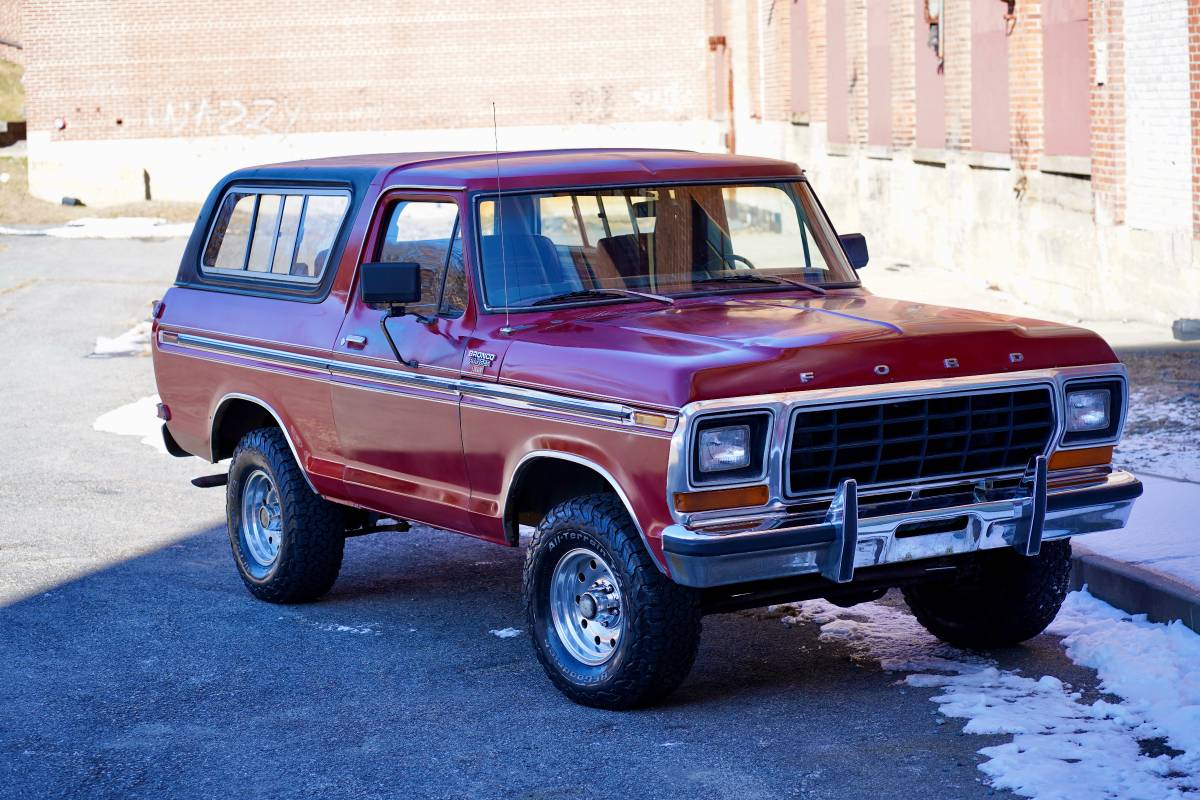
(919, 439)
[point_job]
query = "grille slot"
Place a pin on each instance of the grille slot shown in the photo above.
(918, 439)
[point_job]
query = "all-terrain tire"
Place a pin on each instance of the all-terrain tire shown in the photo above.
(311, 529)
(661, 618)
(1007, 599)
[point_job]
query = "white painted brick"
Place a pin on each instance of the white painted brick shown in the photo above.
(1158, 115)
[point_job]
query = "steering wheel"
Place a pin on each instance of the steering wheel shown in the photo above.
(735, 257)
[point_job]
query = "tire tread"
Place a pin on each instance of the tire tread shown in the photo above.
(664, 615)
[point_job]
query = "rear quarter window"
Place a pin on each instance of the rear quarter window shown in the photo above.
(281, 234)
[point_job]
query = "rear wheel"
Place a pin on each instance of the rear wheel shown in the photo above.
(610, 630)
(287, 541)
(1006, 599)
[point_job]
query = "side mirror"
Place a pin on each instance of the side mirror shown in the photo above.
(391, 283)
(855, 247)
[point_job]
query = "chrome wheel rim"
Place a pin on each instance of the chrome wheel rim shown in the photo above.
(262, 518)
(585, 606)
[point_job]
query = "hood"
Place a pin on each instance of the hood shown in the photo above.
(707, 348)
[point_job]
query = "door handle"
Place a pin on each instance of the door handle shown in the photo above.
(357, 342)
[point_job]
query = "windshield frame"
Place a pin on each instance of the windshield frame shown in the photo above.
(821, 226)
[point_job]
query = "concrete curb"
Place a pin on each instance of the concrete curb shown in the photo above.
(1136, 589)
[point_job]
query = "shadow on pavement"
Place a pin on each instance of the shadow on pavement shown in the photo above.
(162, 676)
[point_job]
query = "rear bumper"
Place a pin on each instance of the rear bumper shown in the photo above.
(843, 541)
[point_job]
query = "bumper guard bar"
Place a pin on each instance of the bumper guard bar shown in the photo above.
(842, 541)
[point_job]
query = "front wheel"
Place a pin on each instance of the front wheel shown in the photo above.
(610, 630)
(1006, 599)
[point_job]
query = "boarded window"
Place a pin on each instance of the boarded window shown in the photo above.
(1065, 41)
(989, 77)
(799, 39)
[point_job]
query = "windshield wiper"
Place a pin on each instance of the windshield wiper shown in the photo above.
(585, 294)
(747, 277)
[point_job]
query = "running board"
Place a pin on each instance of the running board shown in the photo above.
(400, 526)
(211, 481)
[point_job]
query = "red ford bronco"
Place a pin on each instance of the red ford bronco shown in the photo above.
(664, 362)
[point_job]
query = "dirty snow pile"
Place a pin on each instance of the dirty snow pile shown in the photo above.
(133, 342)
(1143, 742)
(111, 228)
(139, 418)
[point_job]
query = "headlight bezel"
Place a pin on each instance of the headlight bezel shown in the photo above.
(1110, 433)
(758, 423)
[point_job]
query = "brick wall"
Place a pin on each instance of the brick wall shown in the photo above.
(957, 35)
(176, 68)
(11, 30)
(1158, 125)
(1106, 35)
(1025, 85)
(774, 21)
(818, 76)
(856, 65)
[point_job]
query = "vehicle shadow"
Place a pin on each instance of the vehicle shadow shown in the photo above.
(161, 675)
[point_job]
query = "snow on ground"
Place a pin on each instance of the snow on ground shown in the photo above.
(1163, 534)
(133, 342)
(111, 228)
(505, 633)
(139, 418)
(1063, 747)
(1162, 434)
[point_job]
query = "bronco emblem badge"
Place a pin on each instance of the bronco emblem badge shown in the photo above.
(480, 360)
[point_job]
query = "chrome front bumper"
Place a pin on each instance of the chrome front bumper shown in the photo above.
(835, 547)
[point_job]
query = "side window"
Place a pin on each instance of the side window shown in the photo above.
(284, 234)
(427, 233)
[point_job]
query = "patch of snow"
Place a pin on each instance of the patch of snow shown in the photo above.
(505, 633)
(1063, 748)
(139, 418)
(111, 228)
(133, 342)
(1162, 533)
(1162, 435)
(333, 627)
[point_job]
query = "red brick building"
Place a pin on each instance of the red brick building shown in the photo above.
(1047, 146)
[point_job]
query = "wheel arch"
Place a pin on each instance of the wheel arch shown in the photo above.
(237, 414)
(523, 502)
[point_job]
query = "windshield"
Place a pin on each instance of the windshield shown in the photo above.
(594, 245)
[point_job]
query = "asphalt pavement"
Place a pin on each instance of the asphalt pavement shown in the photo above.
(134, 664)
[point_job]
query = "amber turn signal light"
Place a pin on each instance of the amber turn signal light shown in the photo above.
(721, 498)
(1084, 457)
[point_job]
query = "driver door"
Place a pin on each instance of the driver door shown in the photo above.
(398, 423)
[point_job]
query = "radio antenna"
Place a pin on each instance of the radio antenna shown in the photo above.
(507, 329)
